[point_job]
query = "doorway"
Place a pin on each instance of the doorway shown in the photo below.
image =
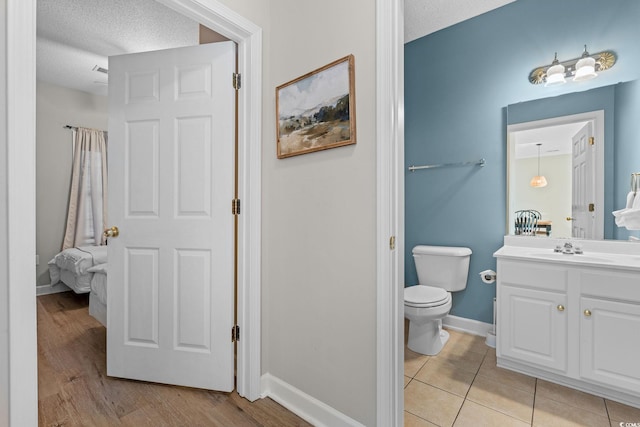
(20, 73)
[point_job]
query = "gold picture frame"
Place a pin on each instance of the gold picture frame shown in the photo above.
(317, 111)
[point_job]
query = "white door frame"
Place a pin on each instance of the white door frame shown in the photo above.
(18, 358)
(390, 211)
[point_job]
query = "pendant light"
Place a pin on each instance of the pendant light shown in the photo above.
(538, 180)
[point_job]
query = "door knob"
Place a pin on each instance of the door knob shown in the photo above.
(112, 232)
(587, 313)
(570, 219)
(561, 307)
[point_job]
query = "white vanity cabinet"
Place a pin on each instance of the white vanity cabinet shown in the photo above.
(572, 323)
(532, 318)
(610, 329)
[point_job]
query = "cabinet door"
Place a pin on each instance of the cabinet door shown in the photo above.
(533, 326)
(610, 343)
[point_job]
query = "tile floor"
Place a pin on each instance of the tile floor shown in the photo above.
(462, 386)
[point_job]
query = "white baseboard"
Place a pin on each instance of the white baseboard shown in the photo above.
(51, 289)
(469, 326)
(306, 407)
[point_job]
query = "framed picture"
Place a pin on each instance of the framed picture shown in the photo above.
(317, 111)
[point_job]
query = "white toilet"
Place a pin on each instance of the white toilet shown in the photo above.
(441, 270)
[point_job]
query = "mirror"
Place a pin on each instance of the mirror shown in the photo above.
(574, 204)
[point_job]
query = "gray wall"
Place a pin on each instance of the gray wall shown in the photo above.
(319, 214)
(56, 107)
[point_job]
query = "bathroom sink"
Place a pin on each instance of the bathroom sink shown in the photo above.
(572, 257)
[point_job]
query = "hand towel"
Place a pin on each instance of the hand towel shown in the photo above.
(631, 197)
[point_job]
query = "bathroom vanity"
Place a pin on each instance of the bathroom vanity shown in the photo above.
(569, 317)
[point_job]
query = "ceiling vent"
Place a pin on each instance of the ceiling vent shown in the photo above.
(100, 69)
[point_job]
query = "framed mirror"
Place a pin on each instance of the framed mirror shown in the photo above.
(582, 189)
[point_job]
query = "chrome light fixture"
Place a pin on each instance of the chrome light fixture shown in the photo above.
(538, 180)
(555, 73)
(585, 67)
(578, 69)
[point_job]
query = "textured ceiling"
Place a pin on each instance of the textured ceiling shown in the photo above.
(73, 36)
(422, 17)
(76, 35)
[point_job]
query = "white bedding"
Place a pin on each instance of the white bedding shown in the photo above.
(98, 295)
(99, 282)
(72, 265)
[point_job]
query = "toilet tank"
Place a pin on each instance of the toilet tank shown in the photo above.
(444, 267)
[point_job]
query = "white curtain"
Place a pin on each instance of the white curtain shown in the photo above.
(87, 213)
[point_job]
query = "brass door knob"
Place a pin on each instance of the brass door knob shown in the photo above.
(570, 218)
(112, 232)
(587, 312)
(561, 307)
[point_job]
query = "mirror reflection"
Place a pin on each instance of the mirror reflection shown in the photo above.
(582, 145)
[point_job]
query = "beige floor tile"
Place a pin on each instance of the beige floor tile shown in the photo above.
(446, 377)
(513, 379)
(432, 404)
(571, 397)
(467, 342)
(474, 415)
(413, 362)
(411, 420)
(460, 358)
(620, 413)
(552, 413)
(508, 400)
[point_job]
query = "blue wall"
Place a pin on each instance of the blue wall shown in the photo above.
(458, 83)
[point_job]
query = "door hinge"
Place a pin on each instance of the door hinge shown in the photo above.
(235, 333)
(592, 207)
(592, 140)
(392, 242)
(235, 207)
(237, 82)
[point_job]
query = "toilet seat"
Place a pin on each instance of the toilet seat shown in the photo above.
(421, 296)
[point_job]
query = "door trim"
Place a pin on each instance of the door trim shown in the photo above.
(248, 36)
(390, 211)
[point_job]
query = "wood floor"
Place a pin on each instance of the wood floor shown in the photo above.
(73, 389)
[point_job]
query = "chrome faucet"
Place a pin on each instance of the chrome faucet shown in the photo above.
(568, 249)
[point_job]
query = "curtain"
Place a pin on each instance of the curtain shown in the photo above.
(87, 213)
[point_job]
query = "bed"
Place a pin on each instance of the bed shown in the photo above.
(98, 295)
(72, 265)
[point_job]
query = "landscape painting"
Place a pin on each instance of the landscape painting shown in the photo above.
(317, 111)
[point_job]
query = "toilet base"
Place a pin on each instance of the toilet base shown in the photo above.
(428, 338)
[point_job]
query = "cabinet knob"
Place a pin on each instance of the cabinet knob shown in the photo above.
(587, 312)
(561, 307)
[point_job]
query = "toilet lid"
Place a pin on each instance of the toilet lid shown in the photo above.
(425, 296)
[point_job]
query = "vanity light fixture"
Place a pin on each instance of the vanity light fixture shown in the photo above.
(538, 180)
(578, 69)
(585, 67)
(555, 73)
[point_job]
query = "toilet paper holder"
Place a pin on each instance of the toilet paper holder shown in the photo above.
(488, 276)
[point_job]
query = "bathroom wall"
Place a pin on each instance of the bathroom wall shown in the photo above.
(56, 107)
(627, 155)
(459, 81)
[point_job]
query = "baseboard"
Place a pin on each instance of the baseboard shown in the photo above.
(51, 289)
(306, 407)
(469, 326)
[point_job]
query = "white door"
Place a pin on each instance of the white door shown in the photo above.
(584, 188)
(171, 181)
